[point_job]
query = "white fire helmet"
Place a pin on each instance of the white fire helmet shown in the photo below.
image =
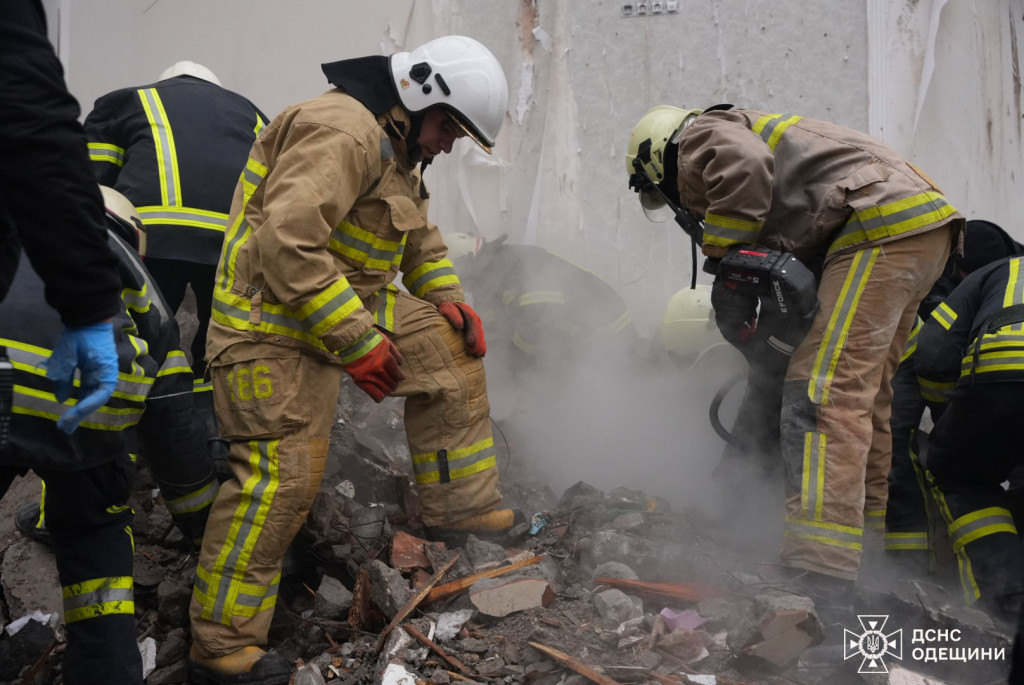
(124, 219)
(187, 68)
(460, 75)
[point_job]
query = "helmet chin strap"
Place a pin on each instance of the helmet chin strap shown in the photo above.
(691, 226)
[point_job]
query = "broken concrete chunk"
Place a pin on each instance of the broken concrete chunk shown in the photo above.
(396, 674)
(333, 599)
(172, 674)
(508, 594)
(147, 648)
(367, 524)
(173, 649)
(614, 569)
(388, 589)
(787, 625)
(634, 520)
(23, 648)
(172, 602)
(449, 624)
(481, 553)
(616, 607)
(685, 644)
(612, 545)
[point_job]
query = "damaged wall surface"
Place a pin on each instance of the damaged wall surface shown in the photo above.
(939, 81)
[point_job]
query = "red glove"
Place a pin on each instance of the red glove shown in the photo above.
(376, 372)
(462, 318)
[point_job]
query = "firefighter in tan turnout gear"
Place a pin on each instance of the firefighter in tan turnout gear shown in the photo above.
(329, 209)
(874, 230)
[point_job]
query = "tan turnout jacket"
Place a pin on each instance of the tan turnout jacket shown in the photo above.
(327, 212)
(801, 185)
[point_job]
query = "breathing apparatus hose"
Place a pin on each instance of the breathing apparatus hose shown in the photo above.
(716, 404)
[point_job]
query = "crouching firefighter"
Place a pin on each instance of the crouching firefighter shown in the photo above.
(89, 472)
(970, 361)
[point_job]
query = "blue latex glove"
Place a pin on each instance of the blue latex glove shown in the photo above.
(90, 349)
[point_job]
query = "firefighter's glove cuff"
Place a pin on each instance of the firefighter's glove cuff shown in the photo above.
(92, 351)
(374, 366)
(735, 312)
(462, 318)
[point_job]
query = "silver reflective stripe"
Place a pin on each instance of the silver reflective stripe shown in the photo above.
(36, 360)
(252, 176)
(194, 501)
(956, 537)
(241, 547)
(100, 596)
(805, 530)
(415, 286)
(255, 601)
(349, 240)
(215, 220)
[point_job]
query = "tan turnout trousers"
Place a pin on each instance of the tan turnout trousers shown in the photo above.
(276, 405)
(836, 442)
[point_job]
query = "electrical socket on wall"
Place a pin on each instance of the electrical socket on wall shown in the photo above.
(639, 9)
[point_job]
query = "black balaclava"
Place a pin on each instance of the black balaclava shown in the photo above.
(368, 80)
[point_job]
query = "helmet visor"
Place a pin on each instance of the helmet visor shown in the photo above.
(655, 207)
(467, 130)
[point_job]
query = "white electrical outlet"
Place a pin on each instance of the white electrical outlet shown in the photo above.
(641, 8)
(671, 6)
(627, 9)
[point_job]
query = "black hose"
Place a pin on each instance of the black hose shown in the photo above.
(716, 404)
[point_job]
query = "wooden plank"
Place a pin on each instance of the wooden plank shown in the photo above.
(574, 664)
(414, 602)
(457, 586)
(436, 648)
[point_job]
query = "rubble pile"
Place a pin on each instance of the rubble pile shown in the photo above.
(603, 587)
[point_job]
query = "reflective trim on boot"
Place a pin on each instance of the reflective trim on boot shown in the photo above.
(492, 525)
(247, 666)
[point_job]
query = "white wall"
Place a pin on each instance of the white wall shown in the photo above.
(580, 76)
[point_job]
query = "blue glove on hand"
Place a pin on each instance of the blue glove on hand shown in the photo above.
(90, 349)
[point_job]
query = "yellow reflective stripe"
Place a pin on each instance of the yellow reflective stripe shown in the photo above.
(462, 462)
(772, 126)
(251, 599)
(967, 581)
(893, 219)
(136, 300)
(183, 216)
(105, 152)
(328, 307)
(175, 363)
(98, 597)
(542, 297)
(831, 534)
(906, 541)
(812, 488)
(259, 125)
(875, 519)
(523, 344)
(944, 315)
(430, 276)
(195, 500)
(41, 404)
(366, 342)
(935, 391)
(723, 231)
(246, 523)
(163, 141)
(834, 339)
(979, 524)
(199, 385)
(30, 359)
(911, 347)
(384, 315)
(993, 357)
(617, 326)
(250, 178)
(118, 508)
(366, 247)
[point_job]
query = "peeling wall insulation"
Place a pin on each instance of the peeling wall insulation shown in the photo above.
(938, 80)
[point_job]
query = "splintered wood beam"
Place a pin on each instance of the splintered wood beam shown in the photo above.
(574, 664)
(415, 601)
(436, 648)
(457, 586)
(686, 592)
